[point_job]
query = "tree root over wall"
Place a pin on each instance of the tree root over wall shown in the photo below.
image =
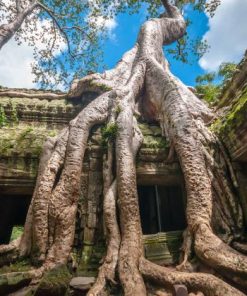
(141, 82)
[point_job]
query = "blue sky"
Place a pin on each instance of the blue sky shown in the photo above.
(226, 34)
(123, 37)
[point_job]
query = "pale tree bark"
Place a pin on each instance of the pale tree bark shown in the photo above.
(214, 214)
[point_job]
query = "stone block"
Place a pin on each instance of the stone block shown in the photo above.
(82, 283)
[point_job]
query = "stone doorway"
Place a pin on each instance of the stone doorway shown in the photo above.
(13, 212)
(162, 208)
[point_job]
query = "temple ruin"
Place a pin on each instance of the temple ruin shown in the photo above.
(27, 122)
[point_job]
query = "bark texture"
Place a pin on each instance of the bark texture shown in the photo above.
(214, 215)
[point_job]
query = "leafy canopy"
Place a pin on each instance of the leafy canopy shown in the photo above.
(67, 35)
(209, 86)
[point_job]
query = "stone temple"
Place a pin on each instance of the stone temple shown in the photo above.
(27, 122)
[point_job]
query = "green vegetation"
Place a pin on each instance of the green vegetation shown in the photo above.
(16, 232)
(234, 117)
(208, 86)
(34, 104)
(109, 133)
(24, 133)
(10, 119)
(101, 86)
(19, 266)
(14, 116)
(154, 142)
(24, 139)
(52, 133)
(3, 118)
(77, 23)
(209, 92)
(13, 281)
(55, 282)
(118, 109)
(14, 276)
(152, 137)
(226, 70)
(150, 130)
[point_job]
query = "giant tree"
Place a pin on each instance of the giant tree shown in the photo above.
(141, 82)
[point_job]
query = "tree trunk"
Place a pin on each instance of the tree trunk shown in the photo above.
(141, 77)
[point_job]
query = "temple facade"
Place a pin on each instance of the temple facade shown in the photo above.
(26, 123)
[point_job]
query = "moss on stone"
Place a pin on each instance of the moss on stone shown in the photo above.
(54, 282)
(13, 110)
(109, 133)
(3, 118)
(21, 265)
(90, 259)
(154, 142)
(233, 118)
(148, 129)
(86, 254)
(35, 103)
(100, 86)
(24, 139)
(16, 232)
(163, 247)
(13, 114)
(13, 281)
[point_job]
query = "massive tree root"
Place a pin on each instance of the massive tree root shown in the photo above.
(141, 82)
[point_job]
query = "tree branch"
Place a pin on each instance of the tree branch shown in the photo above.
(78, 28)
(61, 29)
(167, 5)
(54, 39)
(8, 30)
(172, 10)
(18, 6)
(53, 17)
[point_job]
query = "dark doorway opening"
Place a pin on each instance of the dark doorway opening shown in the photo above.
(13, 211)
(162, 208)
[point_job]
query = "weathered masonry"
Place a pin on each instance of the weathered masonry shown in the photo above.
(27, 122)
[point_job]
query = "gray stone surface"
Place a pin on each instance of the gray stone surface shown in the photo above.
(82, 283)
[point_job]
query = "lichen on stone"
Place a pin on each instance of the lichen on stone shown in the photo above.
(19, 266)
(16, 232)
(109, 133)
(54, 282)
(24, 139)
(233, 118)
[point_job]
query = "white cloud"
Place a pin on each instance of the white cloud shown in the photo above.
(110, 24)
(227, 35)
(100, 21)
(15, 65)
(16, 60)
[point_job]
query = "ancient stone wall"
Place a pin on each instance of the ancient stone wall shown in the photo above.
(232, 125)
(27, 122)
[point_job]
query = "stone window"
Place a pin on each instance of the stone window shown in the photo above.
(13, 211)
(161, 208)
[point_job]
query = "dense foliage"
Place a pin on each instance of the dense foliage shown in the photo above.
(209, 85)
(67, 35)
